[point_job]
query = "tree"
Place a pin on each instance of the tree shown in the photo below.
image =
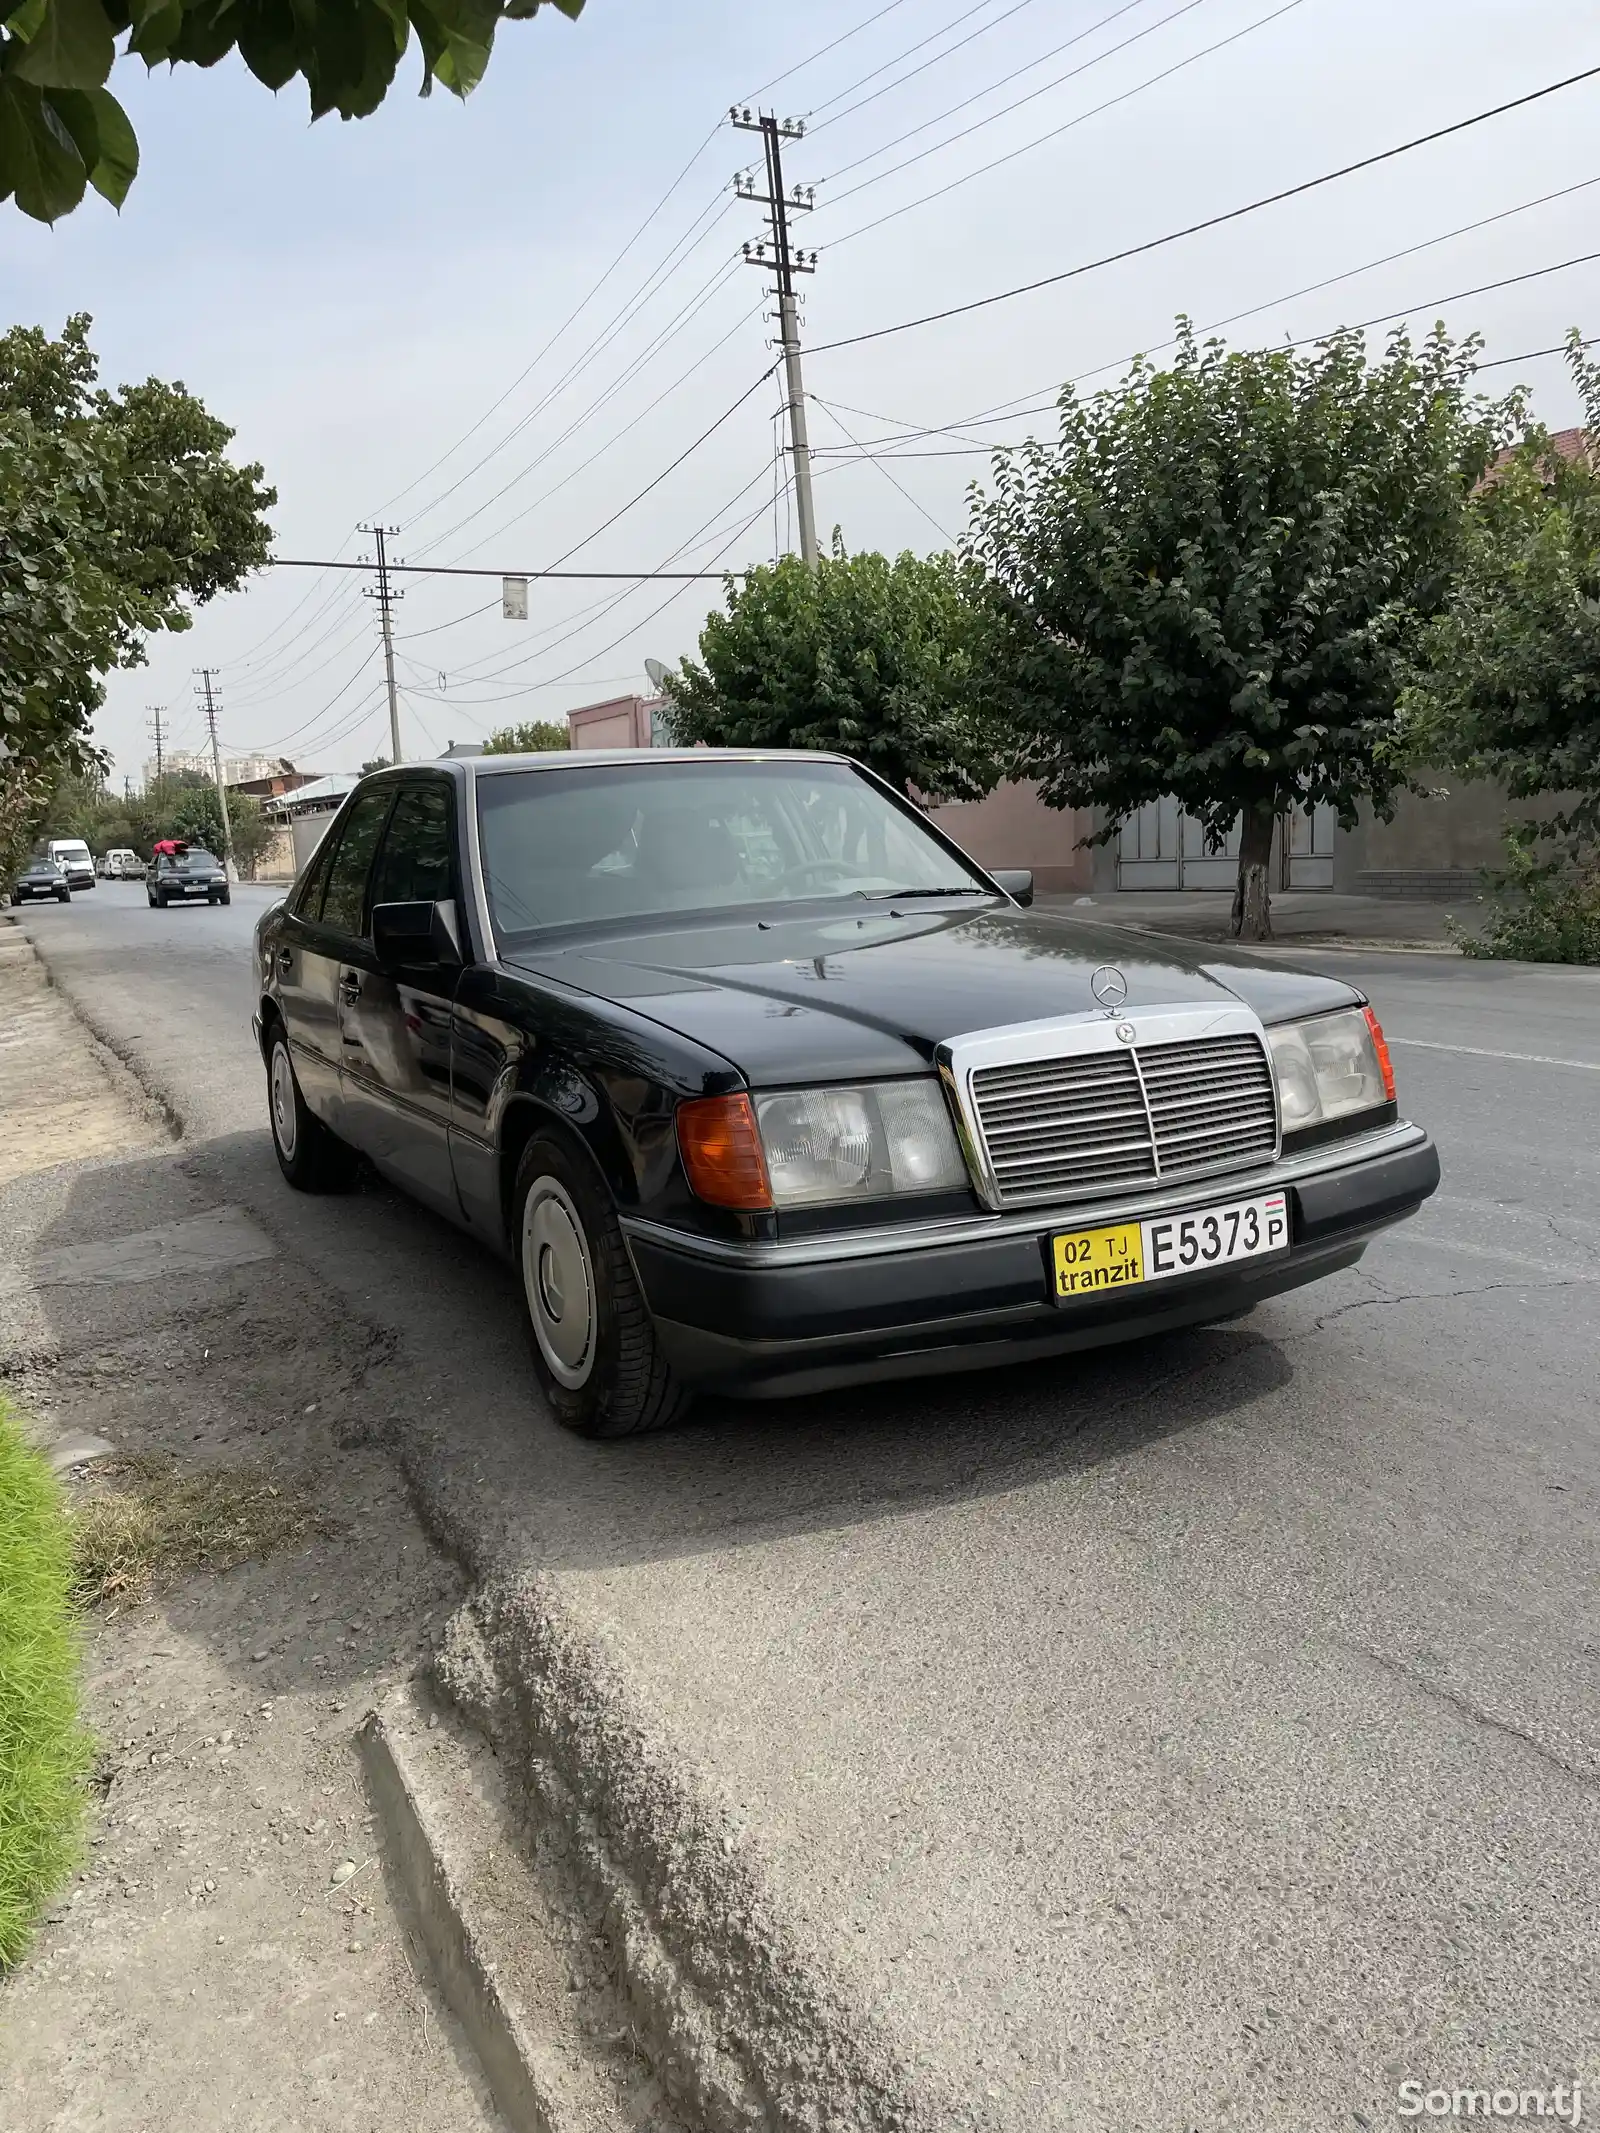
(540, 736)
(1209, 586)
(883, 660)
(378, 762)
(1509, 677)
(119, 513)
(62, 130)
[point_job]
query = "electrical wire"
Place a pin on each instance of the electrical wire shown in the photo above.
(910, 52)
(570, 320)
(1011, 411)
(615, 600)
(886, 147)
(1530, 355)
(938, 59)
(1111, 103)
(670, 468)
(410, 636)
(822, 52)
(616, 437)
(1211, 222)
(583, 362)
(877, 462)
(295, 732)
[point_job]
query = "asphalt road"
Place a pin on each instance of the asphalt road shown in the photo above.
(1199, 1735)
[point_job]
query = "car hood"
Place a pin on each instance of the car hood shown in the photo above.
(828, 995)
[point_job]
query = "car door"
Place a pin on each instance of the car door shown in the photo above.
(394, 1024)
(321, 928)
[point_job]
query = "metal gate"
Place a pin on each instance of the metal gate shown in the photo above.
(1162, 847)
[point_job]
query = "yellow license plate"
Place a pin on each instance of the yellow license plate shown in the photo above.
(1087, 1260)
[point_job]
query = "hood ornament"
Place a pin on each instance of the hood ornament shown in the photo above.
(1109, 987)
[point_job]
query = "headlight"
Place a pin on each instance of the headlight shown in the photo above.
(858, 1144)
(1330, 1067)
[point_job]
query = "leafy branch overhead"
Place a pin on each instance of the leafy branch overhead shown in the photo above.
(61, 129)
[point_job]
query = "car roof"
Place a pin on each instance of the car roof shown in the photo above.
(480, 766)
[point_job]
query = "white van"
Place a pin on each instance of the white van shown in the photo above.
(74, 857)
(121, 864)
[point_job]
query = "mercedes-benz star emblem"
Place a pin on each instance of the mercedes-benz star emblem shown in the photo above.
(1109, 987)
(1126, 1032)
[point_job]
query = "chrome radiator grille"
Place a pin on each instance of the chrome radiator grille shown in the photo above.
(1091, 1123)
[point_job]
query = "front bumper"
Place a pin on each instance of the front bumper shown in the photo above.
(818, 1312)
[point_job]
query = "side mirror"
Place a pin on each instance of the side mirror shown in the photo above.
(1016, 881)
(413, 936)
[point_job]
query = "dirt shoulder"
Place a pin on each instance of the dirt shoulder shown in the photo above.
(232, 1951)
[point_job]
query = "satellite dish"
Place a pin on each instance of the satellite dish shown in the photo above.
(657, 674)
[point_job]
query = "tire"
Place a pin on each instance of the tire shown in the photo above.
(594, 1346)
(149, 899)
(226, 897)
(63, 896)
(311, 1157)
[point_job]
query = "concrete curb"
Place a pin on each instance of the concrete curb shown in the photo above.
(466, 1977)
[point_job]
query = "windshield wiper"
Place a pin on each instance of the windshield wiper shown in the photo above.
(896, 896)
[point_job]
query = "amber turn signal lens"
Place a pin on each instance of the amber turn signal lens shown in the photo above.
(1385, 1063)
(722, 1151)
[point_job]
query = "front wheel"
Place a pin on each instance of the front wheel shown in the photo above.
(63, 896)
(311, 1157)
(594, 1346)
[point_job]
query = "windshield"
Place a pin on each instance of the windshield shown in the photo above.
(63, 850)
(203, 860)
(562, 847)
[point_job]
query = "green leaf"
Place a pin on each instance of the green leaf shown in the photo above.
(207, 33)
(268, 43)
(156, 26)
(72, 48)
(118, 163)
(39, 160)
(23, 20)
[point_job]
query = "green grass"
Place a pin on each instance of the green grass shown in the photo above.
(44, 1748)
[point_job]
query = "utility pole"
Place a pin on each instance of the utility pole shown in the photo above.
(206, 676)
(386, 599)
(786, 262)
(155, 720)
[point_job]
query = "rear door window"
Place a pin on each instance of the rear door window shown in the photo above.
(344, 900)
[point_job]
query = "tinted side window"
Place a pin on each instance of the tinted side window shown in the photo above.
(344, 903)
(415, 863)
(308, 903)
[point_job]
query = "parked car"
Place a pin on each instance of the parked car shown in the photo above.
(75, 858)
(765, 1086)
(186, 877)
(121, 864)
(42, 877)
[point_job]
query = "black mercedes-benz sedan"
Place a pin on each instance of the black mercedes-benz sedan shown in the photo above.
(765, 1086)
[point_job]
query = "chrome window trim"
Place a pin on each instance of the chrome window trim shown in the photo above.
(1074, 1036)
(1036, 1221)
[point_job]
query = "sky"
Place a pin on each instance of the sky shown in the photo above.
(506, 327)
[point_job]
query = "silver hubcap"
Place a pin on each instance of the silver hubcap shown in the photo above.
(559, 1280)
(283, 1118)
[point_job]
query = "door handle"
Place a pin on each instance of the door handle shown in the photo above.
(285, 961)
(350, 988)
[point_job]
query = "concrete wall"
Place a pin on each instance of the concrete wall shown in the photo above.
(1013, 828)
(622, 722)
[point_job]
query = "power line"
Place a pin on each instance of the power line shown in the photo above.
(1194, 229)
(688, 450)
(1006, 110)
(1529, 355)
(524, 510)
(910, 51)
(666, 333)
(876, 461)
(1082, 118)
(822, 51)
(570, 320)
(476, 570)
(1014, 410)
